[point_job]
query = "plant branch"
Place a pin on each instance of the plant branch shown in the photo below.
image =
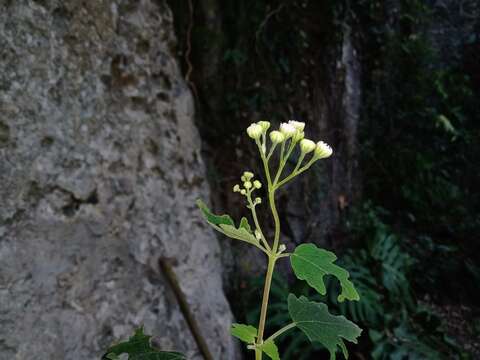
(281, 331)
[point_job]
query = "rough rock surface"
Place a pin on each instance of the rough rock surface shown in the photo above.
(99, 171)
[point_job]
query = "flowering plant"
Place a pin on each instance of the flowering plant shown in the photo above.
(308, 262)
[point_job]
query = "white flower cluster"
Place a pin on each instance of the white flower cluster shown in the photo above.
(249, 185)
(292, 130)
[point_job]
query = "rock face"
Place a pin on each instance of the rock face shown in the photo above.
(99, 172)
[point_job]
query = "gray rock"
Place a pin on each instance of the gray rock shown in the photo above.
(99, 172)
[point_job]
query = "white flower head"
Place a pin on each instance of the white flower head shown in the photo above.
(277, 137)
(264, 124)
(236, 188)
(323, 150)
(287, 130)
(307, 146)
(255, 131)
(300, 126)
(247, 185)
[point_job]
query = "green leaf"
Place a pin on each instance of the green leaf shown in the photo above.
(212, 218)
(269, 348)
(319, 325)
(311, 264)
(246, 333)
(239, 234)
(138, 348)
(225, 225)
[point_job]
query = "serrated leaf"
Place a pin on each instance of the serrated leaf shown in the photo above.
(311, 264)
(138, 348)
(319, 325)
(246, 333)
(225, 225)
(269, 348)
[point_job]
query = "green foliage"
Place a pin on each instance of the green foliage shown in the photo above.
(319, 325)
(399, 327)
(246, 333)
(225, 225)
(312, 264)
(269, 348)
(138, 348)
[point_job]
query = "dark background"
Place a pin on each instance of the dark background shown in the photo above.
(394, 87)
(117, 115)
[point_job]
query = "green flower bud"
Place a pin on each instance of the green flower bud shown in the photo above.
(257, 201)
(298, 136)
(243, 192)
(323, 150)
(236, 188)
(257, 184)
(307, 146)
(247, 175)
(255, 131)
(247, 184)
(264, 124)
(276, 137)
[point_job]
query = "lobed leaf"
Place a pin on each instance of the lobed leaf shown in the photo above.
(311, 264)
(246, 333)
(138, 348)
(319, 325)
(225, 225)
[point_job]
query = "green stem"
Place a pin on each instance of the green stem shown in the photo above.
(281, 331)
(263, 312)
(265, 165)
(295, 173)
(283, 160)
(255, 220)
(276, 219)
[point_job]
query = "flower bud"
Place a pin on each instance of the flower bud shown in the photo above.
(323, 150)
(243, 192)
(264, 124)
(298, 136)
(247, 175)
(300, 126)
(258, 201)
(236, 188)
(282, 248)
(307, 146)
(255, 131)
(287, 130)
(258, 235)
(257, 184)
(277, 137)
